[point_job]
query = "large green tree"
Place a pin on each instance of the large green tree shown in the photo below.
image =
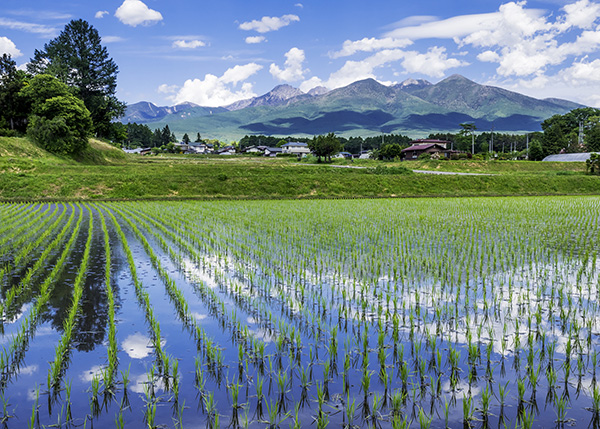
(77, 58)
(13, 113)
(59, 121)
(325, 146)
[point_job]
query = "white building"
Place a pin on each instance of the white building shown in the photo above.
(295, 148)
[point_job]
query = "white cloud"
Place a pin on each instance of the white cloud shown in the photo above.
(188, 44)
(7, 46)
(300, 5)
(42, 30)
(489, 57)
(581, 14)
(433, 63)
(213, 91)
(167, 89)
(269, 23)
(293, 66)
(101, 14)
(369, 45)
(522, 41)
(582, 73)
(135, 12)
(311, 83)
(458, 26)
(112, 39)
(255, 39)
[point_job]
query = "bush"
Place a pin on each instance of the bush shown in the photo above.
(424, 156)
(54, 135)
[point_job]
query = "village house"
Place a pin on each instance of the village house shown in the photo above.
(273, 151)
(295, 148)
(436, 148)
(200, 147)
(227, 150)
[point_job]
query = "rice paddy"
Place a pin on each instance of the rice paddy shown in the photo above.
(328, 313)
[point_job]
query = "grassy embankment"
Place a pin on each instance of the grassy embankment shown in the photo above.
(103, 172)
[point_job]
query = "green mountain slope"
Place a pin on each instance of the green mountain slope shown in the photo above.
(370, 108)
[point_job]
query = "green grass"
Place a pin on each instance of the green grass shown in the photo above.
(103, 172)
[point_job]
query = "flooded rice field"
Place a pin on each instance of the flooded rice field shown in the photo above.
(359, 313)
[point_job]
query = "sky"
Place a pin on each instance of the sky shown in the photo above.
(214, 53)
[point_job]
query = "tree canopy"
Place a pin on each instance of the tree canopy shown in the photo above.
(324, 146)
(77, 58)
(59, 121)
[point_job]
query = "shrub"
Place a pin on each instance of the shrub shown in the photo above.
(425, 156)
(54, 135)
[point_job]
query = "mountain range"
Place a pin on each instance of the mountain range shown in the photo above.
(413, 107)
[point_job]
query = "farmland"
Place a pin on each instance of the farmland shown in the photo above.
(384, 313)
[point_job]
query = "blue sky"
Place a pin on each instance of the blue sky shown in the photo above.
(216, 52)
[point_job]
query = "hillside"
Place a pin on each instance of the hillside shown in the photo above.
(366, 108)
(20, 153)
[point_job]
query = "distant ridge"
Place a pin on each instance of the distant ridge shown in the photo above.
(366, 107)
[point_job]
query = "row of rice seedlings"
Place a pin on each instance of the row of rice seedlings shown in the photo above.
(415, 307)
(211, 350)
(109, 372)
(26, 281)
(14, 237)
(141, 294)
(241, 294)
(11, 240)
(61, 358)
(23, 246)
(214, 303)
(15, 224)
(20, 340)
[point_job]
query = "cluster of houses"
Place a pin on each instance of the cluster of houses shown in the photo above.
(435, 148)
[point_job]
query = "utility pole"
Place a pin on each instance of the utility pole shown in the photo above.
(527, 154)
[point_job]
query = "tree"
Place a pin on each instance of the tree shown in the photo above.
(593, 164)
(13, 113)
(198, 138)
(325, 146)
(390, 151)
(61, 125)
(77, 58)
(186, 138)
(536, 152)
(469, 128)
(59, 121)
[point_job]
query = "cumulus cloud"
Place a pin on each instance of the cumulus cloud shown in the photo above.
(369, 45)
(255, 39)
(213, 91)
(7, 46)
(581, 14)
(101, 14)
(167, 89)
(135, 12)
(522, 41)
(292, 70)
(311, 83)
(269, 23)
(432, 63)
(188, 44)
